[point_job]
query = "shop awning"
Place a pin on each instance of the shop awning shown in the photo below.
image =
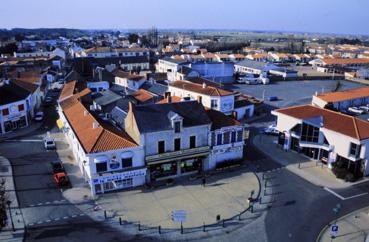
(59, 123)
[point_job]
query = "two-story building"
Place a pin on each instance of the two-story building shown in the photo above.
(210, 96)
(325, 135)
(174, 137)
(128, 80)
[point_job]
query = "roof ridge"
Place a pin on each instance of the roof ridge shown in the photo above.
(97, 139)
(356, 128)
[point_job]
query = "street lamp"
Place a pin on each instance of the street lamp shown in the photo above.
(10, 213)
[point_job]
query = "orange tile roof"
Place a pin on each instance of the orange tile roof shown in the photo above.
(98, 139)
(68, 90)
(142, 95)
(345, 61)
(70, 101)
(175, 99)
(222, 55)
(198, 88)
(260, 55)
(239, 56)
(335, 121)
(345, 95)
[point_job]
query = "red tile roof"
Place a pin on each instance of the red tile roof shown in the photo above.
(68, 90)
(335, 121)
(202, 89)
(174, 99)
(99, 139)
(142, 95)
(220, 120)
(344, 95)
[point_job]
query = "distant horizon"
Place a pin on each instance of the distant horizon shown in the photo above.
(142, 29)
(338, 17)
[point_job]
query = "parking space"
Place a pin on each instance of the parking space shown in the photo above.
(291, 92)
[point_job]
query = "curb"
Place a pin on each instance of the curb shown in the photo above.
(340, 218)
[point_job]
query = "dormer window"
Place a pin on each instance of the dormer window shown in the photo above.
(177, 126)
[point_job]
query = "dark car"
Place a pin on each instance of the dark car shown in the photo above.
(272, 98)
(57, 167)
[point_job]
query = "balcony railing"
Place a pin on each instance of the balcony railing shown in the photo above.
(198, 151)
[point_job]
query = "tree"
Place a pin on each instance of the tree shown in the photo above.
(9, 49)
(132, 38)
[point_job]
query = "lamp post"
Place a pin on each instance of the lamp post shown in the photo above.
(10, 213)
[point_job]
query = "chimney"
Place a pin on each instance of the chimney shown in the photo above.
(199, 99)
(203, 85)
(95, 125)
(169, 98)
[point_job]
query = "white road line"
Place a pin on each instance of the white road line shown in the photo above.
(63, 200)
(334, 193)
(31, 224)
(73, 216)
(55, 201)
(358, 195)
(39, 204)
(65, 217)
(81, 214)
(48, 221)
(32, 205)
(47, 203)
(57, 219)
(344, 198)
(39, 222)
(24, 140)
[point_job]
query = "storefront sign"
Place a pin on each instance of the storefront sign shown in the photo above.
(120, 176)
(179, 215)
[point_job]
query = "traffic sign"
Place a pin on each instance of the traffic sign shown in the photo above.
(179, 215)
(334, 230)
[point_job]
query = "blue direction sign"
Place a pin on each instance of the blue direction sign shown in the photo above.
(334, 230)
(179, 215)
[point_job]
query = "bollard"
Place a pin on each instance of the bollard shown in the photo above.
(223, 223)
(263, 176)
(139, 226)
(159, 229)
(239, 217)
(252, 208)
(203, 228)
(105, 214)
(120, 221)
(181, 228)
(299, 165)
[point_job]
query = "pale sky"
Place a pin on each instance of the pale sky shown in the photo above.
(326, 16)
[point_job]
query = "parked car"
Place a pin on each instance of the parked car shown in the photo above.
(39, 116)
(49, 143)
(61, 179)
(364, 108)
(355, 110)
(263, 80)
(48, 101)
(272, 98)
(271, 130)
(57, 167)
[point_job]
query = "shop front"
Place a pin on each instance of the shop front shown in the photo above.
(175, 168)
(115, 181)
(15, 123)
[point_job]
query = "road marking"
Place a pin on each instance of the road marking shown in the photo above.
(47, 203)
(63, 200)
(24, 140)
(344, 198)
(39, 222)
(48, 221)
(39, 204)
(32, 205)
(81, 214)
(57, 219)
(73, 216)
(31, 224)
(65, 217)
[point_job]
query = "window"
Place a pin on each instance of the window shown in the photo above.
(309, 133)
(226, 138)
(355, 150)
(233, 137)
(177, 127)
(127, 162)
(177, 144)
(21, 107)
(161, 146)
(192, 142)
(5, 111)
(219, 139)
(214, 103)
(239, 136)
(101, 167)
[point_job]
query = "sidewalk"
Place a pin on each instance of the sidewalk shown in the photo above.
(353, 227)
(7, 233)
(22, 132)
(308, 169)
